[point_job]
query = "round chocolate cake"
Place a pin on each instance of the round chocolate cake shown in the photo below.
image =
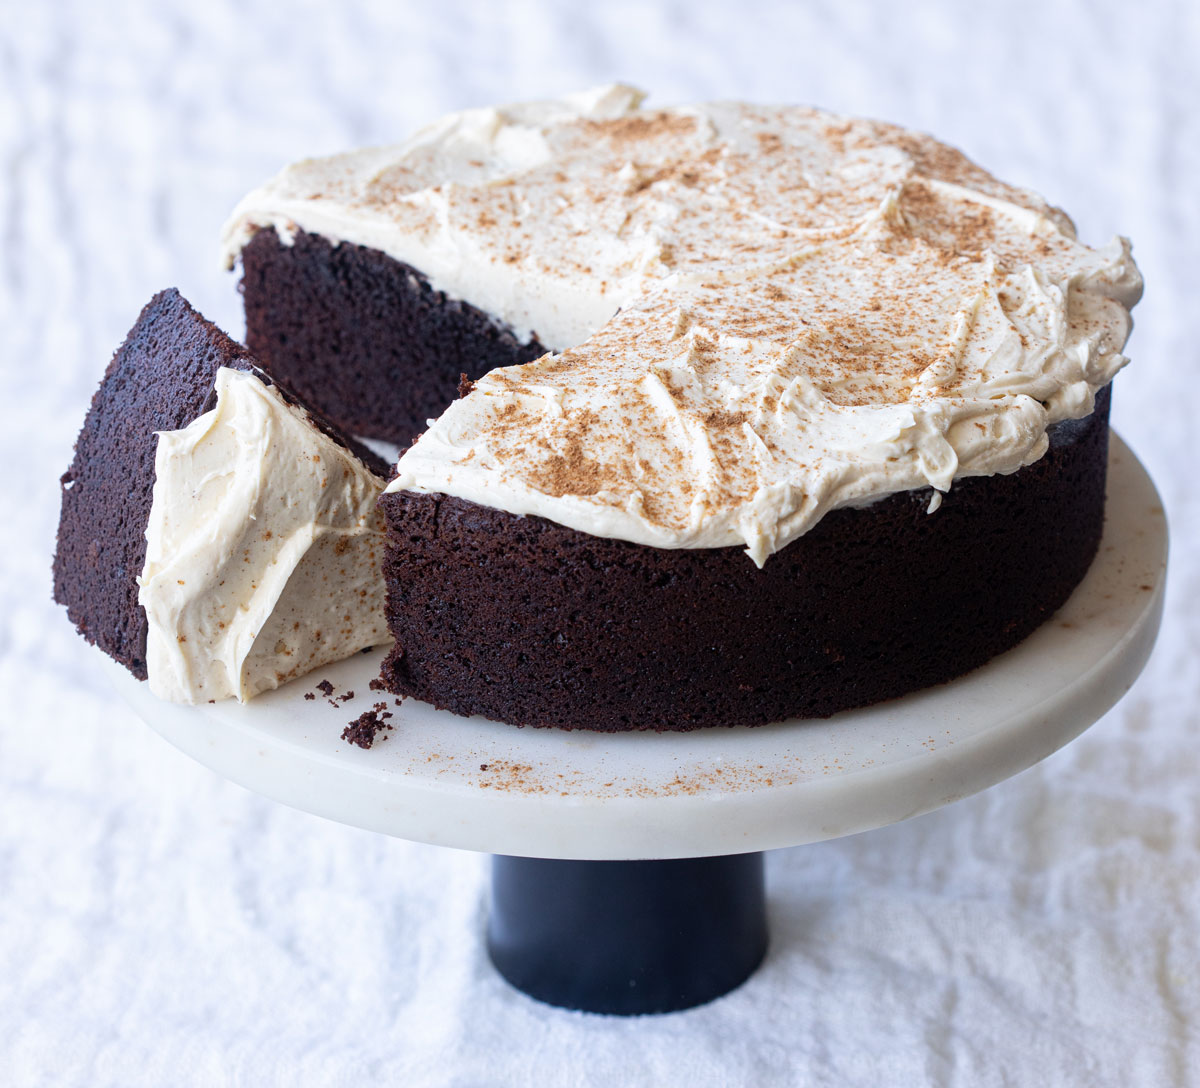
(763, 413)
(824, 418)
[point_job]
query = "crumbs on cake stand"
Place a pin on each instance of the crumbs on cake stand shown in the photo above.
(369, 726)
(327, 689)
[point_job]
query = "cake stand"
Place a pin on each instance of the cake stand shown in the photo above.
(628, 874)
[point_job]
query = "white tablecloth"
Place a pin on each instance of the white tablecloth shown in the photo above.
(159, 926)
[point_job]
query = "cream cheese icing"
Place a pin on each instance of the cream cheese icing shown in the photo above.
(444, 202)
(810, 311)
(263, 549)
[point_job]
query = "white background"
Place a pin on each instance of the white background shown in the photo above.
(161, 927)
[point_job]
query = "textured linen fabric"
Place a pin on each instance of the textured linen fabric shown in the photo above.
(160, 926)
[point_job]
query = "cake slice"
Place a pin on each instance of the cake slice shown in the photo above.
(216, 537)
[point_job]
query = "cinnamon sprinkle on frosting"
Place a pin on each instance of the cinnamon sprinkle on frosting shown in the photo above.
(760, 313)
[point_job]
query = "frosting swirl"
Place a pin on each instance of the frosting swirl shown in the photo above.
(810, 311)
(262, 549)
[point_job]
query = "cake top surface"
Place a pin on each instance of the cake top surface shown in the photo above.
(761, 313)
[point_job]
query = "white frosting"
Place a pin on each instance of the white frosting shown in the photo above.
(814, 311)
(417, 202)
(263, 549)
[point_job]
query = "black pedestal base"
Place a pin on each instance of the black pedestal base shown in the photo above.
(627, 937)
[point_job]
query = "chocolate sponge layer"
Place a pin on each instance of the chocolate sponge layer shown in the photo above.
(525, 621)
(363, 337)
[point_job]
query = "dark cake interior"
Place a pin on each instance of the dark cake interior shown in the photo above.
(160, 379)
(363, 337)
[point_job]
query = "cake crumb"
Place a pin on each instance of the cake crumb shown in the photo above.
(366, 729)
(310, 695)
(325, 688)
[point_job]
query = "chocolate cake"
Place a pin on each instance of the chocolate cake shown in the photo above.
(836, 344)
(165, 377)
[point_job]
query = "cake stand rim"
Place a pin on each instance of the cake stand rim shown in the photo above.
(456, 812)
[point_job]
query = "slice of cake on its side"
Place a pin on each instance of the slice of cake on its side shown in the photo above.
(216, 537)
